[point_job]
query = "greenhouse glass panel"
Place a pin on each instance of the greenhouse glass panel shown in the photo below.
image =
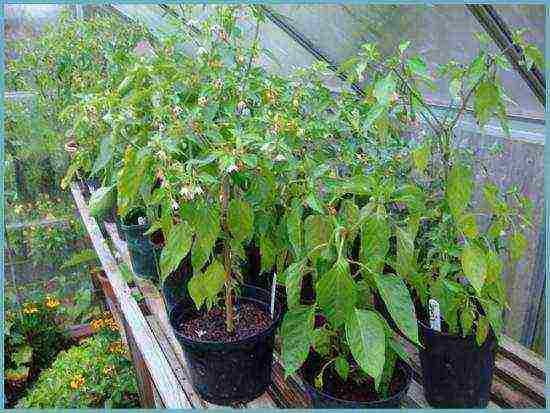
(438, 33)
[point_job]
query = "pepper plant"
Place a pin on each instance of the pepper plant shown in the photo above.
(448, 245)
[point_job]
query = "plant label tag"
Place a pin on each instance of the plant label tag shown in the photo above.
(435, 315)
(273, 288)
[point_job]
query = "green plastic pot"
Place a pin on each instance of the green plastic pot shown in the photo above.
(144, 255)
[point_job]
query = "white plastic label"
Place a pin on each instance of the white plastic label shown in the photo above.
(273, 288)
(435, 315)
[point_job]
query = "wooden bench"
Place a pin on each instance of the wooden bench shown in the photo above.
(162, 371)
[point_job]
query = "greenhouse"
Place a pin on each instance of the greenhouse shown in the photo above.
(274, 206)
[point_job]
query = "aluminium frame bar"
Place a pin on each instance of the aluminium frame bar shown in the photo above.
(499, 31)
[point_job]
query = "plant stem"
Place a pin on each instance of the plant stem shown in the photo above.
(229, 310)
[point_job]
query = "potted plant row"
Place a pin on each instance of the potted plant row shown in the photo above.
(236, 176)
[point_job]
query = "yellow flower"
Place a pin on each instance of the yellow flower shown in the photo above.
(30, 309)
(52, 303)
(77, 381)
(111, 324)
(108, 370)
(96, 325)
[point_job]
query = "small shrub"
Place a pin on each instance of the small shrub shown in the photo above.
(33, 337)
(96, 373)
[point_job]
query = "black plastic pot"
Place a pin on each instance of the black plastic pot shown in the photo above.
(457, 372)
(322, 400)
(144, 255)
(225, 373)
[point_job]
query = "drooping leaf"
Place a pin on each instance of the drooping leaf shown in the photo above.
(337, 293)
(294, 228)
(296, 334)
(384, 89)
(240, 219)
(106, 150)
(468, 225)
(317, 231)
(101, 201)
(349, 217)
(398, 301)
(460, 187)
(420, 157)
(367, 341)
(517, 244)
(176, 248)
(341, 365)
(321, 341)
(267, 253)
(204, 287)
(375, 235)
(474, 265)
(482, 329)
(293, 283)
(406, 256)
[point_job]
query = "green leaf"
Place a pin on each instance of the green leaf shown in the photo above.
(420, 157)
(486, 98)
(367, 341)
(405, 264)
(493, 312)
(321, 341)
(177, 246)
(349, 217)
(205, 287)
(482, 329)
(398, 301)
(23, 355)
(240, 219)
(468, 225)
(206, 225)
(517, 245)
(267, 253)
(293, 283)
(314, 204)
(372, 115)
(474, 265)
(384, 89)
(294, 228)
(495, 266)
(317, 231)
(106, 149)
(296, 334)
(336, 293)
(467, 319)
(418, 66)
(375, 236)
(341, 366)
(101, 201)
(460, 187)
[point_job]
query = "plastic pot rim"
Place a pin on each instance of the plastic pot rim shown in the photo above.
(404, 366)
(490, 335)
(275, 322)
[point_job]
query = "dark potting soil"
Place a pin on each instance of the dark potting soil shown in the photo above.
(210, 326)
(364, 391)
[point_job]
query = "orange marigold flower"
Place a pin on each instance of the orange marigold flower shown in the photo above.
(96, 325)
(77, 381)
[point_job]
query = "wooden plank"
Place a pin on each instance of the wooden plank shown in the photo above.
(175, 362)
(161, 374)
(520, 379)
(522, 356)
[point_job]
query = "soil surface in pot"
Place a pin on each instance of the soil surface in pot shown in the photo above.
(210, 326)
(351, 390)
